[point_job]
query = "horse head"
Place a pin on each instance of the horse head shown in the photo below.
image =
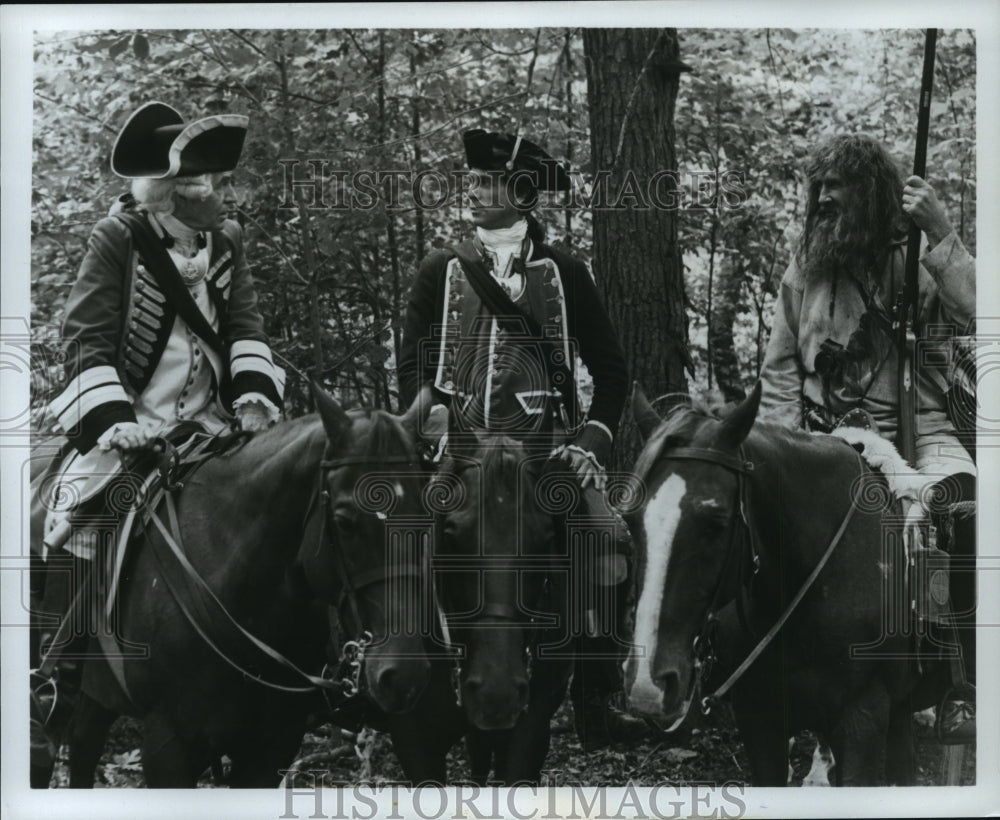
(492, 531)
(686, 530)
(374, 485)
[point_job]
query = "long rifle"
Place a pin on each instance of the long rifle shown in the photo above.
(907, 305)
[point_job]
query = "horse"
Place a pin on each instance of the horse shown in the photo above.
(496, 570)
(278, 530)
(734, 518)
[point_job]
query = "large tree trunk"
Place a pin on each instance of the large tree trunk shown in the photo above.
(632, 80)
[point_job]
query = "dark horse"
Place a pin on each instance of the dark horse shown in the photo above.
(735, 518)
(495, 570)
(292, 521)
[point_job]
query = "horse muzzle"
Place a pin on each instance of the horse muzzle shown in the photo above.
(492, 705)
(396, 683)
(663, 694)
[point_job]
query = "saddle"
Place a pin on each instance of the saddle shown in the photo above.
(926, 578)
(142, 481)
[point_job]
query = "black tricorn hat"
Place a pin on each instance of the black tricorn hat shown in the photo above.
(156, 144)
(492, 151)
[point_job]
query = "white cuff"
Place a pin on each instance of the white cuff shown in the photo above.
(249, 398)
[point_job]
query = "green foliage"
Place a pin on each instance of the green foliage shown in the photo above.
(333, 281)
(757, 102)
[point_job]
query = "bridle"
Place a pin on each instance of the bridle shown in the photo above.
(177, 571)
(352, 583)
(502, 610)
(702, 648)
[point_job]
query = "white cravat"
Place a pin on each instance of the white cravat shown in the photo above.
(177, 229)
(505, 243)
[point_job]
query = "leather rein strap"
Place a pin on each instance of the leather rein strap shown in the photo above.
(352, 583)
(743, 466)
(314, 681)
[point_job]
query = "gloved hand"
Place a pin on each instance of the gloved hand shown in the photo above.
(585, 455)
(126, 436)
(252, 417)
(584, 464)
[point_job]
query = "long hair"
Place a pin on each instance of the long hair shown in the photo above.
(874, 215)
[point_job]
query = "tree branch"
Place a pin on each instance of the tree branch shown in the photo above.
(76, 109)
(631, 100)
(450, 120)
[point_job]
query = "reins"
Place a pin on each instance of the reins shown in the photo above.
(741, 466)
(353, 583)
(352, 655)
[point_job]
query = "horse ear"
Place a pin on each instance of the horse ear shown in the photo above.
(645, 416)
(737, 425)
(336, 422)
(415, 416)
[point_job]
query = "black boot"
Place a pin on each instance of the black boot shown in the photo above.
(55, 685)
(597, 694)
(600, 723)
(956, 714)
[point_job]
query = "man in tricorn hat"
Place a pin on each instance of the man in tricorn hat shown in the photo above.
(500, 379)
(162, 331)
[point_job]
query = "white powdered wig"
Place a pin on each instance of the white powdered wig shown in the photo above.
(199, 187)
(155, 195)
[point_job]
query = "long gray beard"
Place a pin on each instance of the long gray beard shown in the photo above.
(830, 251)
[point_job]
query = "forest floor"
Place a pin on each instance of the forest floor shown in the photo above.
(708, 753)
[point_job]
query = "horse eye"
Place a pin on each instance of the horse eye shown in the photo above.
(346, 520)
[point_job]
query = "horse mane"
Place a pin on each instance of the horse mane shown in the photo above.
(382, 437)
(682, 422)
(500, 457)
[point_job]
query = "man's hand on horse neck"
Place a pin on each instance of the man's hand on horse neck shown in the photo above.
(126, 437)
(584, 464)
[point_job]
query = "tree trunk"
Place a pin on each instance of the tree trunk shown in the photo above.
(720, 337)
(632, 81)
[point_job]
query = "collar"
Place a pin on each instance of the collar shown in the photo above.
(505, 248)
(173, 226)
(494, 238)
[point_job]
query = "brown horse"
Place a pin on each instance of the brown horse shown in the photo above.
(495, 567)
(277, 530)
(735, 518)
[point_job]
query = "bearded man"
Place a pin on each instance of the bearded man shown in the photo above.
(832, 348)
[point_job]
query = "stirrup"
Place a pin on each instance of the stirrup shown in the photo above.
(44, 699)
(40, 710)
(959, 726)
